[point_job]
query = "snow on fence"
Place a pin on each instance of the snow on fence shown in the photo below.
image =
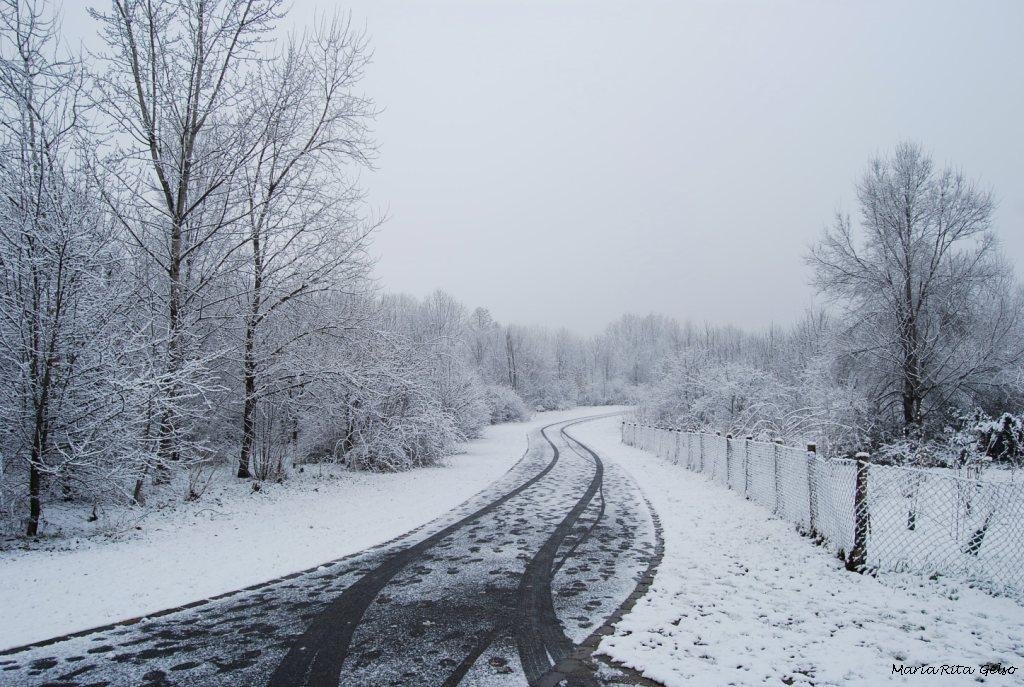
(876, 517)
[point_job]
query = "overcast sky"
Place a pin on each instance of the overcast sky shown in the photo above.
(564, 162)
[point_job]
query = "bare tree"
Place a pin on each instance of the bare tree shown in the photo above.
(481, 330)
(929, 300)
(173, 82)
(302, 230)
(73, 374)
(41, 105)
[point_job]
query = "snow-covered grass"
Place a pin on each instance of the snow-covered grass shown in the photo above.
(923, 520)
(232, 537)
(742, 599)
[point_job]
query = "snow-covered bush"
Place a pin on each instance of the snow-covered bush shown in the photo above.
(379, 428)
(983, 439)
(698, 390)
(389, 443)
(915, 451)
(613, 392)
(397, 395)
(505, 405)
(697, 393)
(554, 395)
(1002, 439)
(462, 396)
(976, 439)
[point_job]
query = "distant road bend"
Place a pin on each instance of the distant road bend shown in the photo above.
(515, 587)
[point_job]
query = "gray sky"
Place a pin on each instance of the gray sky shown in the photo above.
(564, 162)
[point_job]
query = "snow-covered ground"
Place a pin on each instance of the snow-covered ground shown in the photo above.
(233, 538)
(742, 599)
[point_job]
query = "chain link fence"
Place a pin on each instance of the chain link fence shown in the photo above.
(931, 521)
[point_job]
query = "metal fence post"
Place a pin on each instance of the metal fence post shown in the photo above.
(728, 460)
(702, 451)
(857, 560)
(812, 487)
(775, 473)
(746, 465)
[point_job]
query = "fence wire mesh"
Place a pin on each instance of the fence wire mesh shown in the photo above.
(931, 521)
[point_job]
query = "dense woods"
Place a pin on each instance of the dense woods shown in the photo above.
(183, 247)
(186, 278)
(185, 286)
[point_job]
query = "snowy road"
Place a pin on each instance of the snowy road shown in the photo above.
(515, 587)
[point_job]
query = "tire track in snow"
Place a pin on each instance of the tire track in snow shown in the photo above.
(316, 658)
(541, 641)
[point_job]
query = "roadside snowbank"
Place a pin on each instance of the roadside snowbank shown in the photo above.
(741, 599)
(233, 538)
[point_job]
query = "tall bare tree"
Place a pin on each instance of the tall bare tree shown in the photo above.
(302, 230)
(73, 376)
(174, 82)
(41, 102)
(931, 303)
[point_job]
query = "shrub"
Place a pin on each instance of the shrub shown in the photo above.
(555, 395)
(460, 393)
(390, 443)
(985, 439)
(505, 405)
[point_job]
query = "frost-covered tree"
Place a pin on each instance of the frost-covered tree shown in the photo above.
(300, 221)
(172, 80)
(384, 396)
(437, 328)
(76, 378)
(780, 383)
(486, 346)
(932, 309)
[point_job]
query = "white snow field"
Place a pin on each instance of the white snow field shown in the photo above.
(232, 538)
(743, 599)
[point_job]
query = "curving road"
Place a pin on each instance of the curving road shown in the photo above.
(515, 587)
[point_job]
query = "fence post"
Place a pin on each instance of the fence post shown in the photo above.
(717, 465)
(775, 472)
(728, 459)
(702, 451)
(746, 465)
(812, 487)
(857, 560)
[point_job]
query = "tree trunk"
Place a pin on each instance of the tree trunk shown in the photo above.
(510, 355)
(248, 405)
(912, 353)
(169, 448)
(249, 356)
(35, 506)
(911, 406)
(40, 436)
(911, 380)
(138, 495)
